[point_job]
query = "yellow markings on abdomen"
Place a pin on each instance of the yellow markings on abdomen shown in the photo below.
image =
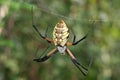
(60, 34)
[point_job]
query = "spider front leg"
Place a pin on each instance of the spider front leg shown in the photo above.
(46, 56)
(45, 36)
(75, 42)
(76, 63)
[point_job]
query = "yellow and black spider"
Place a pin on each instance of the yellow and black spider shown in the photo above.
(60, 40)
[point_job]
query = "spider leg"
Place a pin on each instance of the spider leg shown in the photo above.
(46, 31)
(79, 68)
(46, 56)
(76, 63)
(44, 37)
(42, 52)
(73, 35)
(74, 43)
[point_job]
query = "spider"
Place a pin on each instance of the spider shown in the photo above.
(60, 40)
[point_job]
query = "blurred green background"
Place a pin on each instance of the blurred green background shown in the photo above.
(19, 41)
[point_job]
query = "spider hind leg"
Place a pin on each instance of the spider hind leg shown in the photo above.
(46, 57)
(41, 59)
(76, 63)
(80, 67)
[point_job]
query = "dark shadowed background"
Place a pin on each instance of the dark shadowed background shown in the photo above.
(19, 41)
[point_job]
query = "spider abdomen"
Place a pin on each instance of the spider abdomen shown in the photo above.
(60, 34)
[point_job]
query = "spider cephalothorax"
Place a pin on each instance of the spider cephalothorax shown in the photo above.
(60, 40)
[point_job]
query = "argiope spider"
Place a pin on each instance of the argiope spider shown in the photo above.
(60, 40)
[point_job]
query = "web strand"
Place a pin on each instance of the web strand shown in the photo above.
(50, 11)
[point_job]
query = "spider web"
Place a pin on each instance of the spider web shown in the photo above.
(48, 10)
(93, 19)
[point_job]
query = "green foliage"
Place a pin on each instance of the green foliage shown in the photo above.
(19, 41)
